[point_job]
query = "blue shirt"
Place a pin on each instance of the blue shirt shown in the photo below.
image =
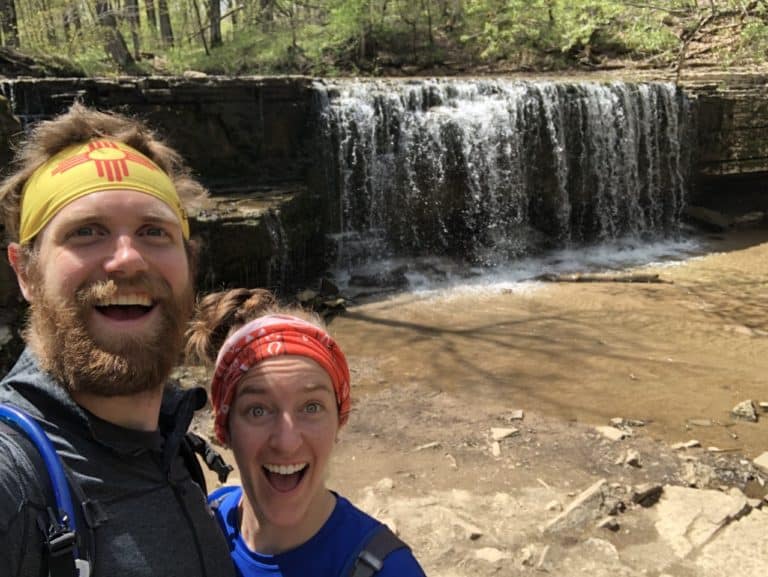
(329, 553)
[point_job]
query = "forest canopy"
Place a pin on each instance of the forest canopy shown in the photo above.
(380, 37)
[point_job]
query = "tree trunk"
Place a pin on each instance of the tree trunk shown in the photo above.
(114, 43)
(132, 15)
(267, 15)
(214, 17)
(149, 6)
(9, 23)
(71, 21)
(201, 29)
(166, 31)
(50, 24)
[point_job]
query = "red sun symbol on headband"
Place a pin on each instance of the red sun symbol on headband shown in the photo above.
(111, 161)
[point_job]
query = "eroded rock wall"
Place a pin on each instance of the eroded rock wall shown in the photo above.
(731, 174)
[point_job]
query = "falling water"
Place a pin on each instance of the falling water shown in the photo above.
(489, 170)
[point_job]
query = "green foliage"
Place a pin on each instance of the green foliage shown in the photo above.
(379, 36)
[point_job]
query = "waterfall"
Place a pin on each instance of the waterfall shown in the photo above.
(489, 170)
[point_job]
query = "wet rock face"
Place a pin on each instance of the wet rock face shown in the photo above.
(244, 130)
(9, 127)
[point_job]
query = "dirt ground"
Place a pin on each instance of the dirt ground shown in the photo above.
(433, 375)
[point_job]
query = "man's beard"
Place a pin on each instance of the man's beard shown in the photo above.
(119, 364)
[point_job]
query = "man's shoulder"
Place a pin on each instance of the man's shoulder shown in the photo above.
(22, 473)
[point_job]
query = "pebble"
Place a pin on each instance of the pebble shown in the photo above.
(647, 494)
(632, 458)
(609, 523)
(611, 433)
(432, 445)
(700, 422)
(745, 411)
(686, 445)
(761, 462)
(385, 484)
(501, 433)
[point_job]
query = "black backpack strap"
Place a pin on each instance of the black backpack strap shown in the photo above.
(193, 445)
(371, 559)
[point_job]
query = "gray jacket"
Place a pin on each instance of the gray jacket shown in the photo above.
(152, 518)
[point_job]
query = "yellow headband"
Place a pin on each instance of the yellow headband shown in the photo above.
(89, 167)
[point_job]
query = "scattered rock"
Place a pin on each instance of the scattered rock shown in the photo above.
(700, 422)
(610, 523)
(761, 462)
(583, 508)
(632, 458)
(686, 445)
(541, 564)
(611, 433)
(526, 556)
(647, 494)
(696, 474)
(554, 506)
(501, 433)
(194, 74)
(620, 423)
(385, 484)
(424, 447)
(745, 411)
(491, 554)
(516, 415)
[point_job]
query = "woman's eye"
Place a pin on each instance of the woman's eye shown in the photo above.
(257, 412)
(313, 408)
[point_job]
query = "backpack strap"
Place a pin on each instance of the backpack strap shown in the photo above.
(380, 544)
(193, 444)
(58, 524)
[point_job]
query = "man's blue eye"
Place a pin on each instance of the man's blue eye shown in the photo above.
(154, 232)
(85, 231)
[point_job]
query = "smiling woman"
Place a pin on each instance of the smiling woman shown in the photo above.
(280, 394)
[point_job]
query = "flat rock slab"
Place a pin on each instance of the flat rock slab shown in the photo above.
(741, 549)
(687, 519)
(762, 462)
(585, 507)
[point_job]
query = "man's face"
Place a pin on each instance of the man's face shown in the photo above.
(110, 292)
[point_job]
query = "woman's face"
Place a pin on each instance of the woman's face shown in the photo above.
(282, 429)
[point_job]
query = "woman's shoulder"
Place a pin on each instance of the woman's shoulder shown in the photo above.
(398, 559)
(225, 495)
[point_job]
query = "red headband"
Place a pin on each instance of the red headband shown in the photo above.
(272, 336)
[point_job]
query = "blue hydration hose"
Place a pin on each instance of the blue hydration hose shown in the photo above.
(64, 508)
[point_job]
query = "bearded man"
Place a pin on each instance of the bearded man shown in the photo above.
(99, 241)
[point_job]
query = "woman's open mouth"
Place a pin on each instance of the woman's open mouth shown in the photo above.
(285, 478)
